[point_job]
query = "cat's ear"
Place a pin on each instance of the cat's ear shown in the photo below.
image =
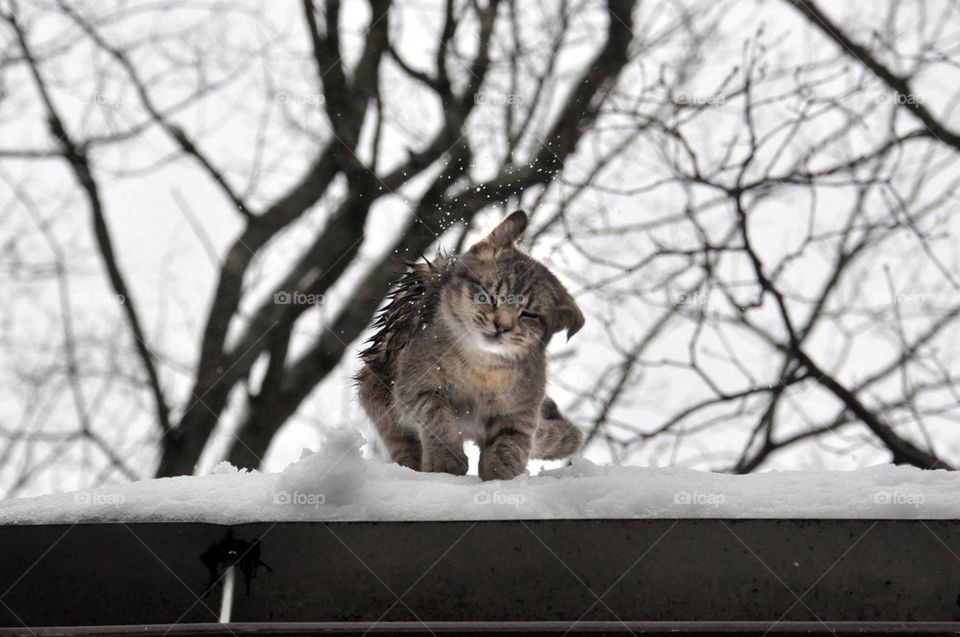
(504, 234)
(566, 315)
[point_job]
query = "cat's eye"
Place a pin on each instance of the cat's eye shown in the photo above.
(481, 296)
(533, 316)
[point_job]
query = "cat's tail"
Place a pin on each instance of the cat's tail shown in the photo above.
(556, 437)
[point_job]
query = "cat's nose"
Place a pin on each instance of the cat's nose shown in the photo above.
(502, 326)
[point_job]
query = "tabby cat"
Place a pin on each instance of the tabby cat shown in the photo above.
(460, 354)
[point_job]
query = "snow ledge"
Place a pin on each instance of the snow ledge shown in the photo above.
(338, 484)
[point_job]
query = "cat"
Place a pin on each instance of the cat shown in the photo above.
(460, 354)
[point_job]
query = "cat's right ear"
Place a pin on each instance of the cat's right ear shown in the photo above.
(565, 316)
(509, 230)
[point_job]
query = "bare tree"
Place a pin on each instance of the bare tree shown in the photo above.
(861, 290)
(760, 231)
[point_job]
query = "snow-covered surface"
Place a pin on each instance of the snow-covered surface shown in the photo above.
(337, 483)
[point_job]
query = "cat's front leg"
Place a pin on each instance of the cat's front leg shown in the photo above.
(507, 446)
(440, 435)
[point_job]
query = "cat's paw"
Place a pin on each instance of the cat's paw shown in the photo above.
(408, 460)
(446, 462)
(498, 470)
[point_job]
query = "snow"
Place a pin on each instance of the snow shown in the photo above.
(338, 484)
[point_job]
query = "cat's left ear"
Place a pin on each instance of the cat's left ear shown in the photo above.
(566, 315)
(509, 230)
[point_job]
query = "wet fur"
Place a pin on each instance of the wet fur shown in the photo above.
(460, 354)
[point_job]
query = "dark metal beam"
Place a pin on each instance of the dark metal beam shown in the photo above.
(653, 570)
(529, 629)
